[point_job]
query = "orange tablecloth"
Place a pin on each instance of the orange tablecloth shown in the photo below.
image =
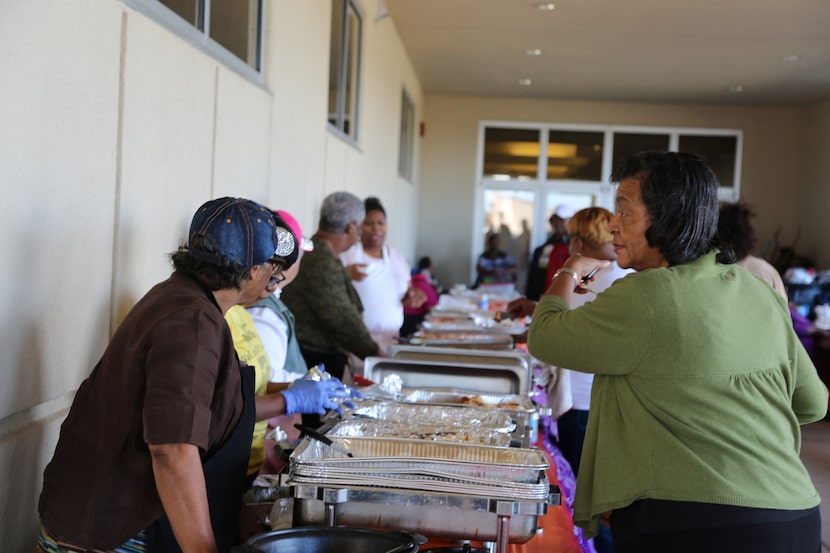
(556, 530)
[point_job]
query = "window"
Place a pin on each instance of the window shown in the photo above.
(575, 155)
(511, 154)
(527, 169)
(229, 30)
(407, 145)
(344, 67)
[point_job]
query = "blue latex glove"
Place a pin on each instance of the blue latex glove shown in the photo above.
(309, 396)
(346, 394)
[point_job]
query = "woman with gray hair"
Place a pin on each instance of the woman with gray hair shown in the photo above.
(328, 312)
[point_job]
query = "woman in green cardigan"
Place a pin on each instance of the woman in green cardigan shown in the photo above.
(700, 382)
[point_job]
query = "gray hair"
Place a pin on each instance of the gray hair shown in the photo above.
(339, 209)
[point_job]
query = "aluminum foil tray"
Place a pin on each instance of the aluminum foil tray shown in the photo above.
(386, 429)
(440, 515)
(421, 483)
(447, 415)
(463, 461)
(454, 396)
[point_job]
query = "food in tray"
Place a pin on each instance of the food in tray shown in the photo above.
(386, 429)
(479, 401)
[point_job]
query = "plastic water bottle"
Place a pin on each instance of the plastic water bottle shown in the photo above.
(484, 302)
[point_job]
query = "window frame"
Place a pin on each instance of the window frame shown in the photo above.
(406, 150)
(602, 190)
(350, 7)
(200, 39)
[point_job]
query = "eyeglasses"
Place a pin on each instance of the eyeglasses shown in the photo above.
(277, 276)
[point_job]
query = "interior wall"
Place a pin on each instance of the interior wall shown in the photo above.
(772, 179)
(114, 134)
(814, 219)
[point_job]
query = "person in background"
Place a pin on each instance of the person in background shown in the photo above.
(275, 399)
(554, 250)
(274, 321)
(588, 235)
(735, 228)
(494, 266)
(381, 277)
(159, 434)
(327, 309)
(414, 316)
(425, 267)
(274, 324)
(700, 381)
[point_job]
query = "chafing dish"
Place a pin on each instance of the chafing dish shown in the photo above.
(476, 340)
(513, 378)
(448, 490)
(485, 358)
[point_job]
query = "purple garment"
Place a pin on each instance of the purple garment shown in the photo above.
(565, 477)
(801, 325)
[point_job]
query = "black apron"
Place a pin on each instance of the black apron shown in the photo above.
(225, 470)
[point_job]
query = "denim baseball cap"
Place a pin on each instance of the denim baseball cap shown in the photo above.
(240, 232)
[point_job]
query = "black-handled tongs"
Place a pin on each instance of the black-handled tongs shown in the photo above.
(320, 437)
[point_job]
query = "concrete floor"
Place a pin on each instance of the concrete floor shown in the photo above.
(815, 452)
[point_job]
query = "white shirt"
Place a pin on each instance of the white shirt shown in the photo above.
(381, 291)
(581, 382)
(274, 334)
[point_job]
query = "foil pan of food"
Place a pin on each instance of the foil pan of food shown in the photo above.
(368, 428)
(462, 462)
(454, 396)
(443, 415)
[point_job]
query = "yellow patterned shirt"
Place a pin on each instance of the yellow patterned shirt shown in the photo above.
(251, 351)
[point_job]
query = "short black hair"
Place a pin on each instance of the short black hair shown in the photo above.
(735, 228)
(680, 193)
(373, 204)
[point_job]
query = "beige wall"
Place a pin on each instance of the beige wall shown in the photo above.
(114, 131)
(773, 180)
(814, 215)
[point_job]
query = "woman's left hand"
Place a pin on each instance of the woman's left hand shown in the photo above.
(414, 297)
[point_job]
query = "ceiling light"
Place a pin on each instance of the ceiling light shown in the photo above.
(546, 6)
(525, 82)
(790, 57)
(736, 88)
(533, 52)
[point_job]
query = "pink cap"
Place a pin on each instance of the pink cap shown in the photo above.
(305, 244)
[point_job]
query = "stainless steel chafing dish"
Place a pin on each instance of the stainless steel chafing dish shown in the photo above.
(512, 377)
(485, 358)
(460, 339)
(448, 490)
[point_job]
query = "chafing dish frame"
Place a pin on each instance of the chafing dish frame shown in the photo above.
(457, 516)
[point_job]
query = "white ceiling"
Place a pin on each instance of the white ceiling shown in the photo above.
(621, 50)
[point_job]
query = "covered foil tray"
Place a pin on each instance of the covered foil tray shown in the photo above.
(447, 415)
(369, 428)
(440, 515)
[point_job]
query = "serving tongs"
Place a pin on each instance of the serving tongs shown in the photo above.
(320, 437)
